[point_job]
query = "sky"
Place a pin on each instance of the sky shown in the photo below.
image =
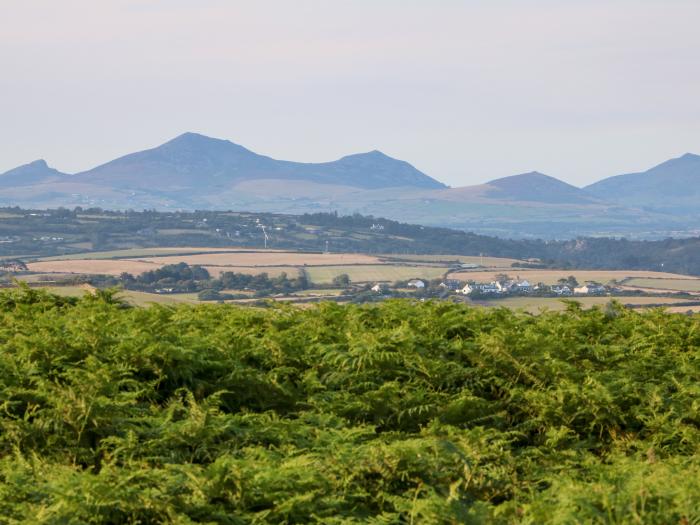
(465, 90)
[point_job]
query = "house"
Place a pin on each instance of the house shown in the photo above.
(561, 290)
(379, 288)
(450, 284)
(482, 288)
(523, 286)
(416, 283)
(590, 289)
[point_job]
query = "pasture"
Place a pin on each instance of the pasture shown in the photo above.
(687, 284)
(552, 276)
(485, 262)
(266, 258)
(536, 304)
(373, 273)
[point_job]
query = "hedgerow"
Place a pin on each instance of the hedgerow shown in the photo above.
(399, 412)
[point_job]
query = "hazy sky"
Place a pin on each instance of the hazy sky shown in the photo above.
(465, 90)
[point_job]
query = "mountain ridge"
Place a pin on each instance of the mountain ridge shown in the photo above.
(217, 162)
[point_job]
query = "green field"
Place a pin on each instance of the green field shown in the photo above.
(373, 273)
(535, 304)
(680, 285)
(133, 252)
(485, 262)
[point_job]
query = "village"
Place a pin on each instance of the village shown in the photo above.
(502, 286)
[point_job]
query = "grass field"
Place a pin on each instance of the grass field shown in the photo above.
(535, 304)
(267, 258)
(486, 262)
(96, 266)
(677, 285)
(142, 252)
(372, 273)
(552, 276)
(131, 296)
(272, 271)
(319, 293)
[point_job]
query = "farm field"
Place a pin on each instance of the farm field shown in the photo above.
(144, 252)
(272, 271)
(535, 304)
(133, 297)
(372, 273)
(552, 276)
(486, 262)
(267, 258)
(680, 285)
(93, 266)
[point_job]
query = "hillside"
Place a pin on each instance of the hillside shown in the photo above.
(193, 171)
(673, 186)
(537, 187)
(201, 164)
(37, 172)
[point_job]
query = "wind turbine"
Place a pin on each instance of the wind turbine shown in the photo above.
(262, 226)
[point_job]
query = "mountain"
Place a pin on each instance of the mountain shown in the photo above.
(37, 172)
(196, 163)
(673, 186)
(537, 187)
(193, 171)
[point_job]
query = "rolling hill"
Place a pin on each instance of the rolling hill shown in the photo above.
(537, 187)
(672, 187)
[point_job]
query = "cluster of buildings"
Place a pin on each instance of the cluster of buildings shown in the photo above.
(505, 287)
(524, 287)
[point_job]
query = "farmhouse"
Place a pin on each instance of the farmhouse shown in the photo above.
(12, 266)
(416, 283)
(483, 288)
(379, 288)
(562, 290)
(590, 289)
(451, 284)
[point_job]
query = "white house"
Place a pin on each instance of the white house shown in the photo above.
(590, 289)
(416, 283)
(484, 288)
(561, 290)
(450, 284)
(523, 286)
(379, 288)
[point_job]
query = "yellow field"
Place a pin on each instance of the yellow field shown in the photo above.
(373, 273)
(487, 262)
(552, 276)
(144, 252)
(676, 285)
(267, 258)
(535, 304)
(94, 267)
(272, 271)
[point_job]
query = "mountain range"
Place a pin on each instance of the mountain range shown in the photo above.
(193, 171)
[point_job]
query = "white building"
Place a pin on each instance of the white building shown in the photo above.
(590, 289)
(416, 283)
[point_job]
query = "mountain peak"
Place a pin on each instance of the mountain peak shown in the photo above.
(537, 187)
(39, 163)
(35, 172)
(195, 163)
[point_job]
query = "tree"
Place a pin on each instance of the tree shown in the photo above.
(342, 280)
